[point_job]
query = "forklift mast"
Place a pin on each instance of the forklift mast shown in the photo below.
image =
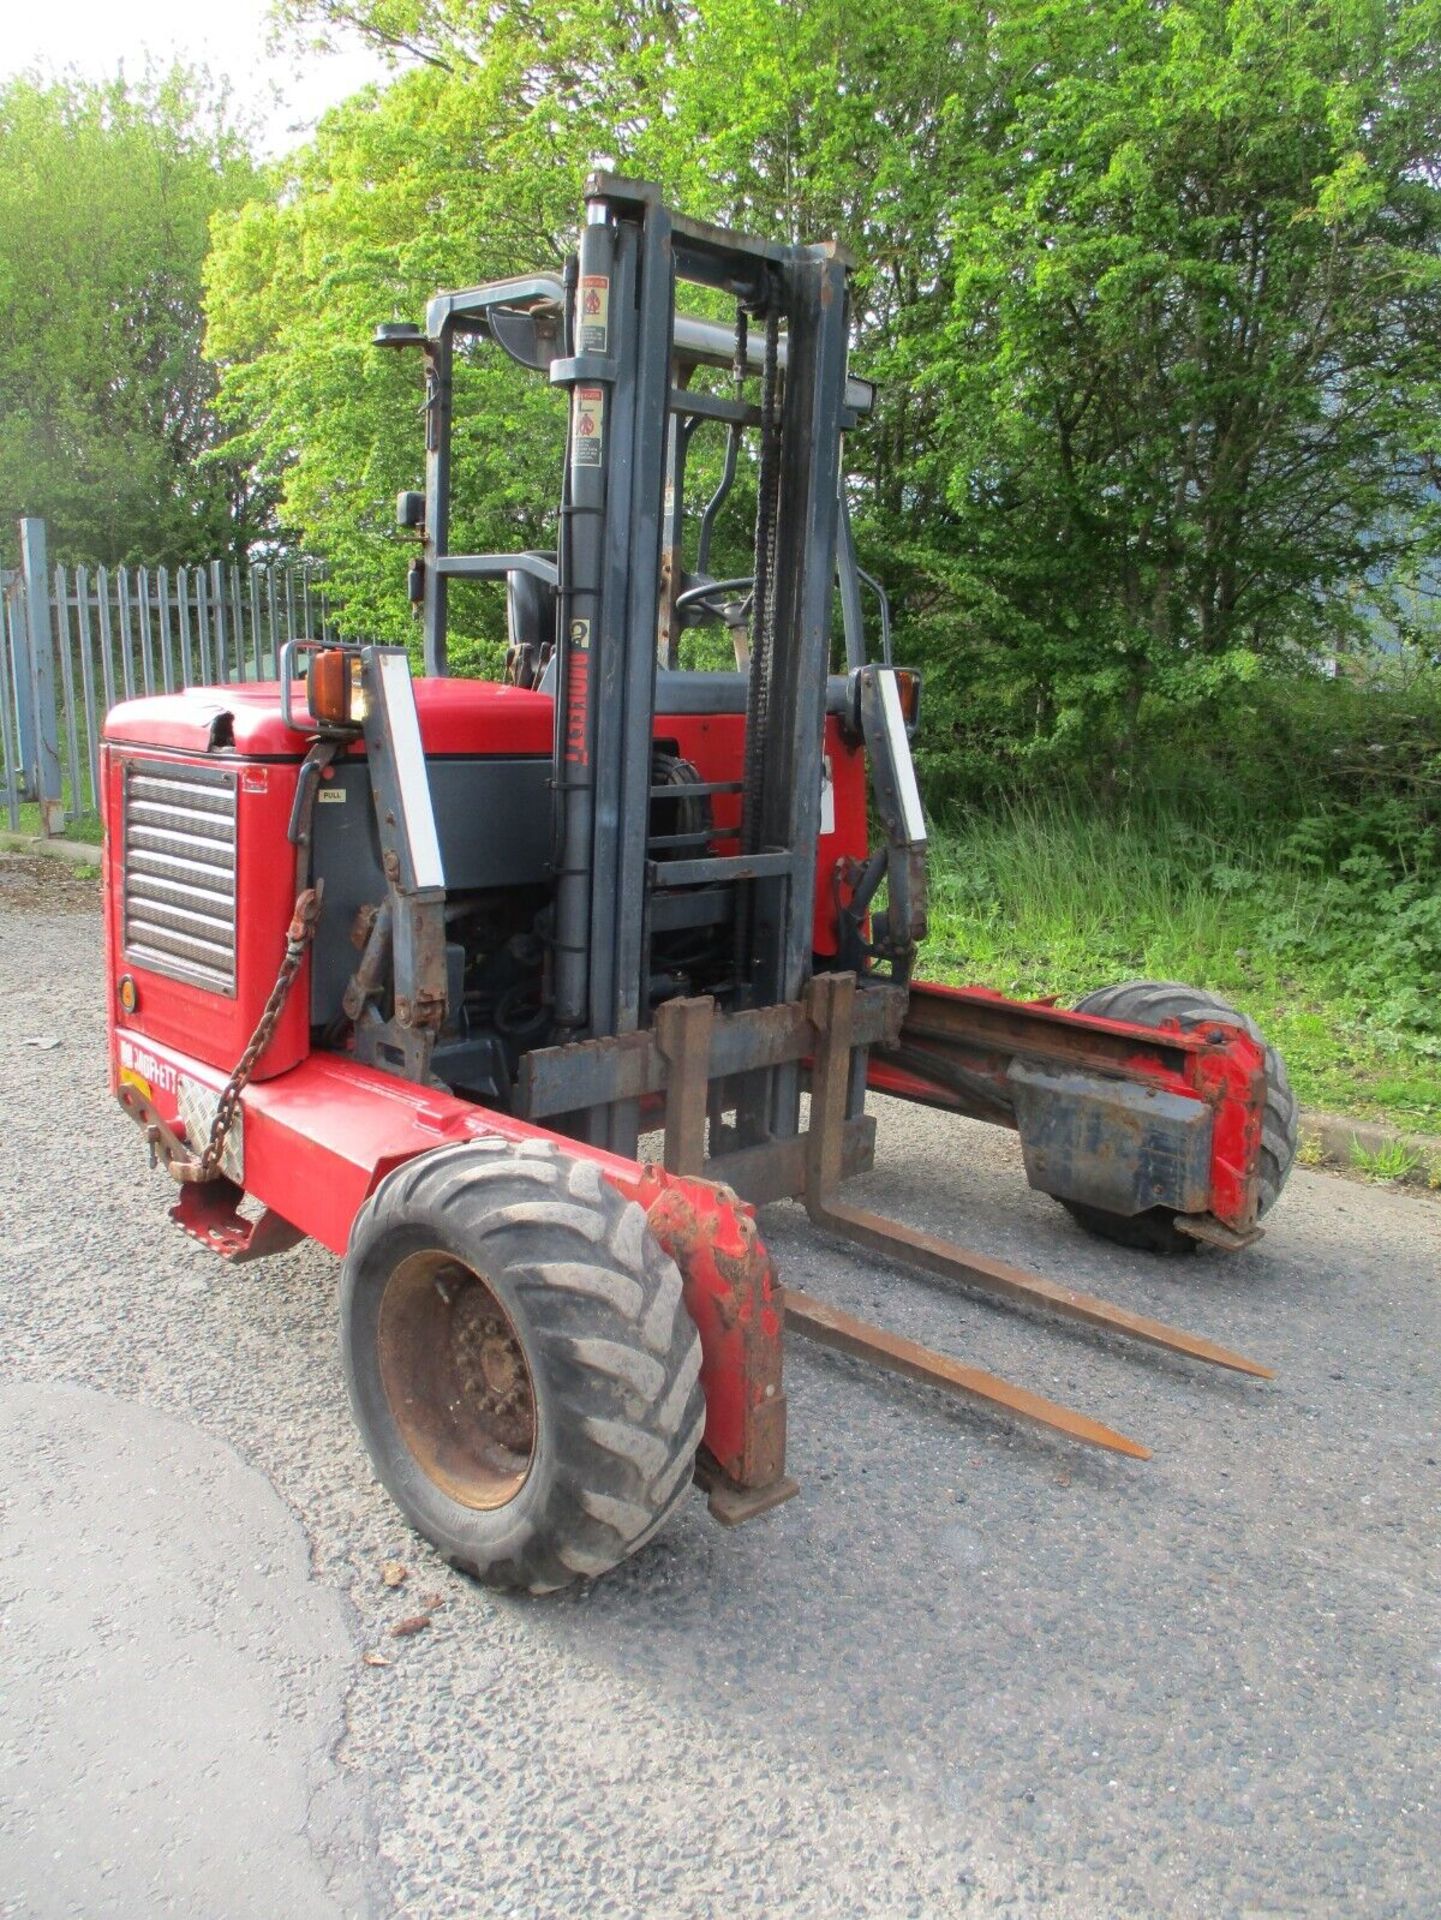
(611, 335)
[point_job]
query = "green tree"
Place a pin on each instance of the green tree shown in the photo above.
(1191, 366)
(1151, 291)
(106, 423)
(772, 115)
(448, 177)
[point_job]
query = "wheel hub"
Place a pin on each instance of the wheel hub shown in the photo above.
(457, 1380)
(491, 1366)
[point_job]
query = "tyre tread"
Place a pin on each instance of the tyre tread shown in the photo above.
(604, 1316)
(1149, 1003)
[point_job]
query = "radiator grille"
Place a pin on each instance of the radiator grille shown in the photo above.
(180, 872)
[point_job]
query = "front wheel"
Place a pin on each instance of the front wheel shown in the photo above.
(1147, 1003)
(520, 1361)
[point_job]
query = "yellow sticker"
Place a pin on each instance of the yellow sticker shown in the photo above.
(588, 428)
(594, 298)
(130, 1078)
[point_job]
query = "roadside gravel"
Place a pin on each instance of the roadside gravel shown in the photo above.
(969, 1671)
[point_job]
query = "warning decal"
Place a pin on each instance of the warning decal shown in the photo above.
(594, 325)
(588, 427)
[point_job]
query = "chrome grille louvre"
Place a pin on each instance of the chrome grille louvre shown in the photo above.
(180, 872)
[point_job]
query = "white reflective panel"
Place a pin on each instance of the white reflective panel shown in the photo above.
(403, 727)
(912, 817)
(828, 796)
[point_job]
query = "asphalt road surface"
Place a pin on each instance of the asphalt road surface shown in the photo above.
(970, 1671)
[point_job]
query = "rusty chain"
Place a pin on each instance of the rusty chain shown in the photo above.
(298, 937)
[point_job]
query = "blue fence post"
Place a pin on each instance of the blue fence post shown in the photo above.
(44, 759)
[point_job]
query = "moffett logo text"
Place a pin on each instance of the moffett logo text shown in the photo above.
(141, 1062)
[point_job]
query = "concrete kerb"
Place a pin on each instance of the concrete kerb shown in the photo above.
(80, 853)
(1331, 1140)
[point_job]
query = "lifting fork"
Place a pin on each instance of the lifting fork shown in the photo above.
(831, 1007)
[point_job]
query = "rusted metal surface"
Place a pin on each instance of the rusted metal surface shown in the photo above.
(733, 1505)
(831, 1003)
(897, 1242)
(455, 1375)
(831, 999)
(1120, 1145)
(372, 934)
(683, 1034)
(732, 1294)
(829, 1327)
(168, 1145)
(776, 1170)
(988, 1022)
(632, 1065)
(1215, 1233)
(210, 1213)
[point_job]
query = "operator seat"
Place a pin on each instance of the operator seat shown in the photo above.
(530, 613)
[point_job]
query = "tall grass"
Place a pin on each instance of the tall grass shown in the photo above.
(1054, 890)
(1054, 894)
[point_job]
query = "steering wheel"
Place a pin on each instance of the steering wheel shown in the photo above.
(709, 598)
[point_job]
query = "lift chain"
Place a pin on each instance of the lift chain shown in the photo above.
(297, 939)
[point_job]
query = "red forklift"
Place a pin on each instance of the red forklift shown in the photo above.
(412, 965)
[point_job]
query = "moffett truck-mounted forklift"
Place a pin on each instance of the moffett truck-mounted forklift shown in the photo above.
(410, 965)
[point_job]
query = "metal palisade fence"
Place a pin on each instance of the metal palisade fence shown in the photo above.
(76, 640)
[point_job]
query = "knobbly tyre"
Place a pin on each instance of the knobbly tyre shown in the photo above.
(409, 964)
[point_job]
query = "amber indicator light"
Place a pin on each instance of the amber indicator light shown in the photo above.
(328, 688)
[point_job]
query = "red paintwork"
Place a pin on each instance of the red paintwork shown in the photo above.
(732, 1294)
(1231, 1076)
(209, 1026)
(319, 1141)
(1227, 1073)
(715, 743)
(456, 716)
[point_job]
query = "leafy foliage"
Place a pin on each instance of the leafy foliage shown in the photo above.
(1152, 292)
(1290, 859)
(470, 167)
(1191, 368)
(106, 424)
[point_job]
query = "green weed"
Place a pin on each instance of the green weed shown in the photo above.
(1392, 1161)
(86, 827)
(1311, 1150)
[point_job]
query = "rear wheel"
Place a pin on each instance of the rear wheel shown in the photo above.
(1147, 1003)
(521, 1364)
